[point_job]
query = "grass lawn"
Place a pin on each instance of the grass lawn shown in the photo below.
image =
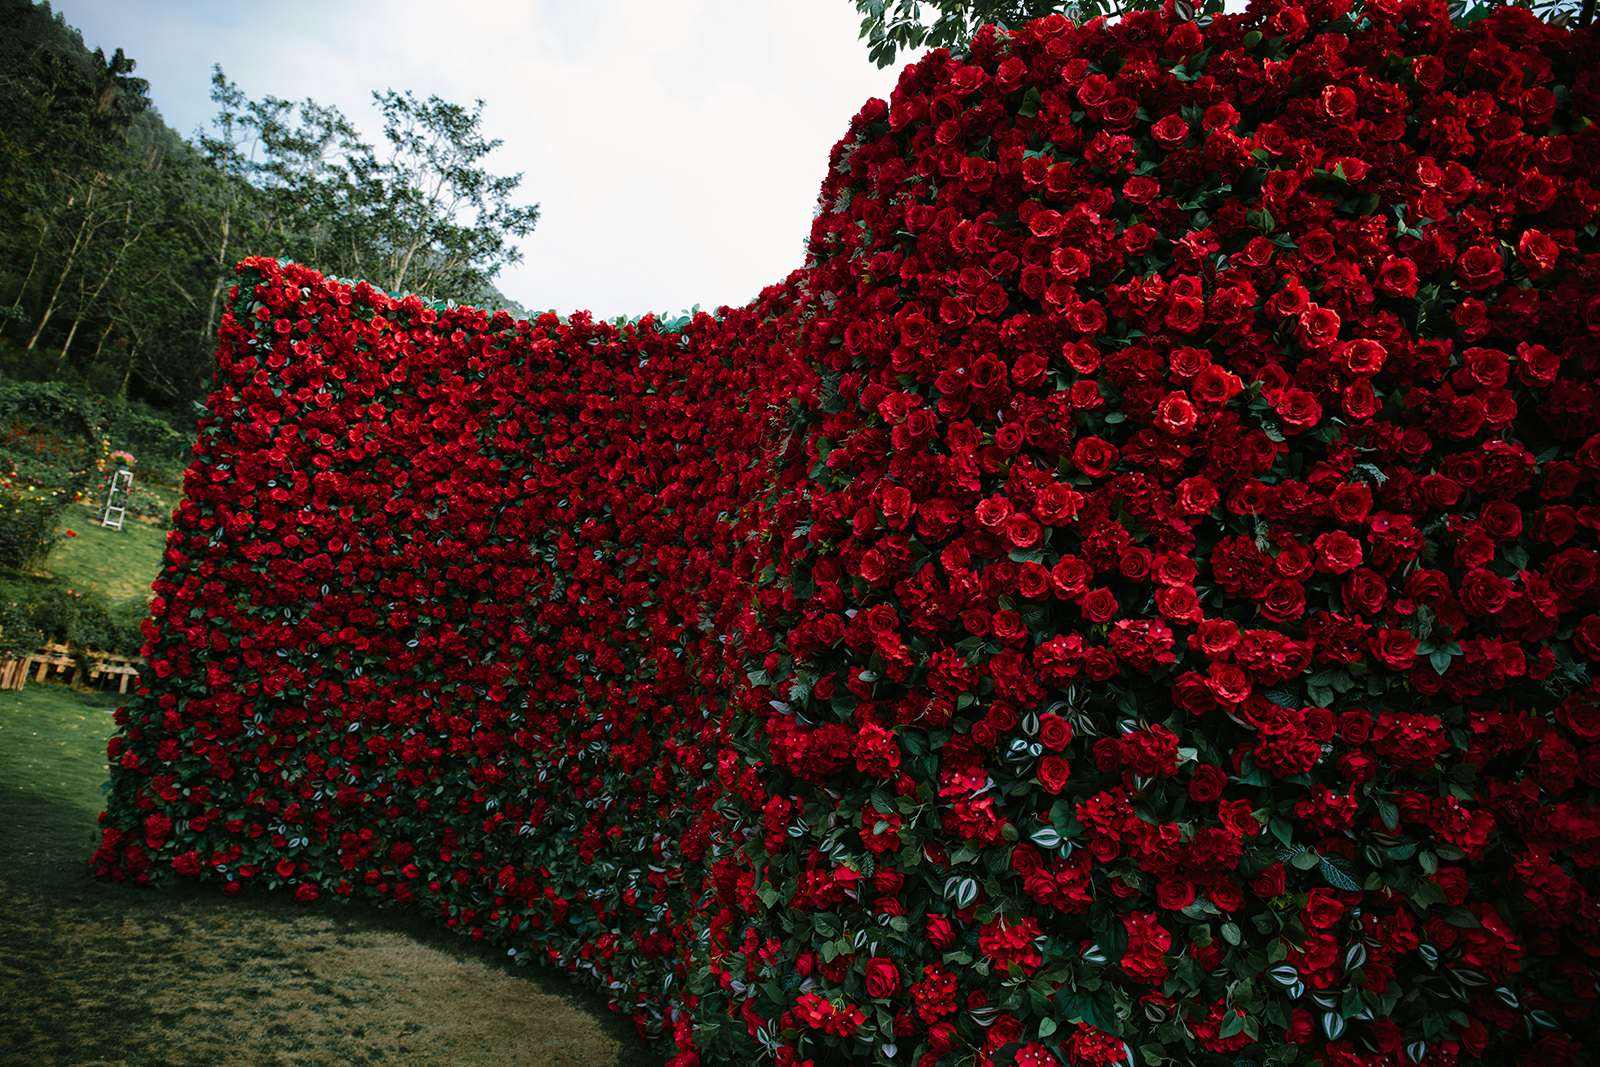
(96, 973)
(119, 563)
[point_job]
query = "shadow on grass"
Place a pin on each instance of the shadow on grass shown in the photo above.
(96, 972)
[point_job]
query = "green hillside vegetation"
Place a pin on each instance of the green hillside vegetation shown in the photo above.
(121, 233)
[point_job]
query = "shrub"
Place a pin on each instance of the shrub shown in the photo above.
(95, 624)
(51, 405)
(28, 521)
(150, 437)
(1132, 596)
(19, 635)
(39, 610)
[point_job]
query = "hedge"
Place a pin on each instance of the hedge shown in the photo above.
(1131, 597)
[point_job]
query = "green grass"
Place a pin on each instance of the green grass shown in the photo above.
(94, 972)
(118, 563)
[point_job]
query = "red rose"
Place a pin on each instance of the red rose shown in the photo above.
(1022, 532)
(1174, 893)
(1364, 591)
(883, 978)
(1055, 732)
(1364, 356)
(1537, 252)
(1586, 636)
(993, 512)
(1479, 268)
(1323, 909)
(1206, 784)
(1170, 131)
(1054, 771)
(1175, 414)
(1215, 386)
(1283, 601)
(1271, 882)
(1397, 276)
(1396, 649)
(1057, 504)
(1098, 605)
(1094, 456)
(1319, 327)
(1196, 496)
(1337, 552)
(1338, 103)
(1185, 314)
(156, 829)
(1045, 223)
(1298, 409)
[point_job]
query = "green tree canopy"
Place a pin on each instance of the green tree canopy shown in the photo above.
(120, 235)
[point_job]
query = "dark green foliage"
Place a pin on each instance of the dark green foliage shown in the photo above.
(48, 442)
(119, 235)
(27, 529)
(34, 611)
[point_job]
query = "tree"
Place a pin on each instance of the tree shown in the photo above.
(65, 118)
(120, 235)
(446, 223)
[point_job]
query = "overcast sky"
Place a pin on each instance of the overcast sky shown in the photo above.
(675, 147)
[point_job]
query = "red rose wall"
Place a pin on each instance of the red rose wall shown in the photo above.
(1131, 595)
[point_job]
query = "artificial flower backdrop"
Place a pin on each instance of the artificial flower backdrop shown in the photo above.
(1132, 594)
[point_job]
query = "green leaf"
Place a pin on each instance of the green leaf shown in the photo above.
(1338, 876)
(1304, 861)
(1389, 814)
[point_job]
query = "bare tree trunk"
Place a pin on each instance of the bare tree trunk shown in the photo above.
(105, 277)
(72, 331)
(127, 373)
(405, 266)
(38, 250)
(222, 276)
(101, 344)
(66, 269)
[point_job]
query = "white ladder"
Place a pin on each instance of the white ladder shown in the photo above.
(117, 498)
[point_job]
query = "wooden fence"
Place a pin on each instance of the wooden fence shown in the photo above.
(104, 668)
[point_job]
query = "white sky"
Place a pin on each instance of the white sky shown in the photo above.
(675, 147)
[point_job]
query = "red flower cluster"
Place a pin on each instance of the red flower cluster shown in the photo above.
(1135, 592)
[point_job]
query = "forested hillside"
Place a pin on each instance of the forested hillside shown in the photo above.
(118, 233)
